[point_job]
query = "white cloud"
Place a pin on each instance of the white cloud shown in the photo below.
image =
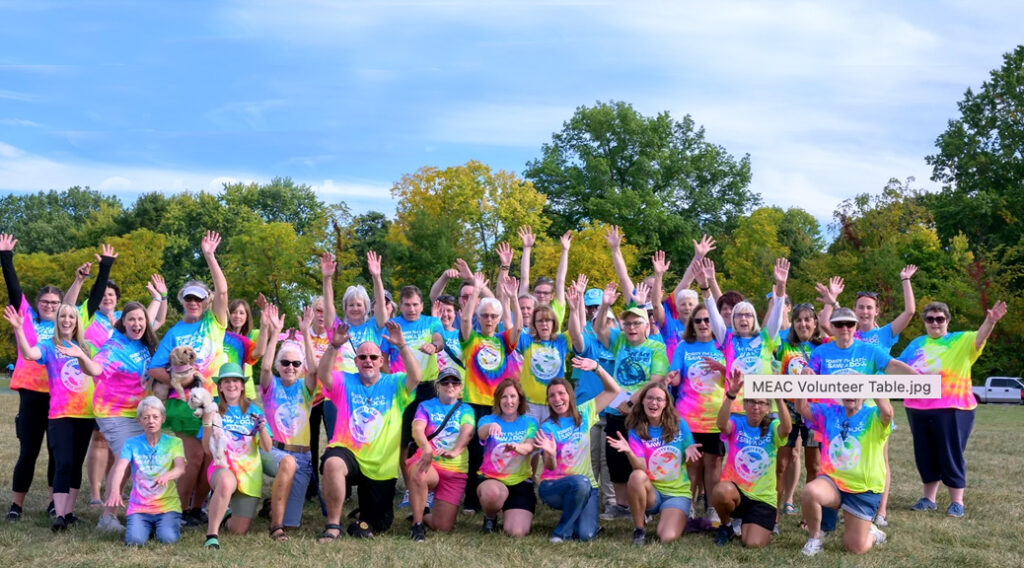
(498, 124)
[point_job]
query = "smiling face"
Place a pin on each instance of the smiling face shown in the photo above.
(842, 332)
(805, 324)
(448, 390)
(286, 368)
(412, 307)
(109, 301)
(558, 400)
(526, 307)
(67, 321)
(151, 420)
(47, 306)
(544, 293)
(238, 317)
(866, 309)
(134, 323)
(355, 310)
(936, 324)
(684, 306)
(702, 324)
(509, 402)
(446, 313)
(654, 402)
(726, 312)
(231, 389)
(743, 322)
(635, 328)
(318, 316)
(368, 361)
(194, 308)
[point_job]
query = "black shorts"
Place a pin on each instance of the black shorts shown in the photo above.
(424, 391)
(521, 496)
(376, 497)
(619, 468)
(752, 511)
(710, 443)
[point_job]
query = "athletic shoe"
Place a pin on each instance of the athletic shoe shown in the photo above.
(716, 521)
(639, 535)
(955, 510)
(616, 511)
(109, 523)
(360, 529)
(723, 535)
(51, 510)
(14, 513)
(405, 500)
(737, 526)
(71, 519)
(923, 504)
(430, 499)
(59, 525)
(881, 521)
(419, 533)
(556, 539)
(490, 525)
(877, 534)
(813, 546)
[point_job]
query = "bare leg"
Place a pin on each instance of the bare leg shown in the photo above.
(281, 489)
(333, 489)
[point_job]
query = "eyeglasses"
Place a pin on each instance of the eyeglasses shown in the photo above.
(935, 319)
(488, 316)
(844, 323)
(449, 299)
(743, 315)
(286, 362)
(551, 321)
(845, 430)
(364, 357)
(632, 323)
(50, 302)
(701, 320)
(464, 297)
(756, 402)
(872, 295)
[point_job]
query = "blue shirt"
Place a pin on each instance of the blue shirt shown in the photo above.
(857, 359)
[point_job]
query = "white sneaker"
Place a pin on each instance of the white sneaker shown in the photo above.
(405, 500)
(616, 512)
(109, 523)
(813, 546)
(881, 521)
(713, 517)
(555, 539)
(878, 535)
(737, 527)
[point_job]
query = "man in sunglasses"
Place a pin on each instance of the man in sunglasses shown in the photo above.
(363, 449)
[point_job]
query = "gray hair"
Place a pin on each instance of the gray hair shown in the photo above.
(686, 293)
(746, 307)
(356, 293)
(200, 283)
(492, 302)
(151, 402)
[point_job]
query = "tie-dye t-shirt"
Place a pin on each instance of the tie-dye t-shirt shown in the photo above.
(880, 337)
(70, 389)
(543, 360)
(370, 420)
(793, 359)
(588, 384)
(30, 375)
(950, 356)
(122, 384)
(665, 462)
(99, 327)
(501, 463)
(700, 392)
(673, 330)
(432, 412)
(487, 364)
(750, 459)
(635, 364)
(417, 334)
(851, 446)
(148, 463)
(857, 359)
(320, 342)
(453, 344)
(287, 410)
(243, 448)
(752, 355)
(239, 349)
(206, 337)
(572, 443)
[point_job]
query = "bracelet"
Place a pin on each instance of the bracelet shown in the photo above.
(905, 279)
(729, 396)
(705, 289)
(505, 267)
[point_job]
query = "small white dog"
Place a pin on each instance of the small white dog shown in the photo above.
(200, 400)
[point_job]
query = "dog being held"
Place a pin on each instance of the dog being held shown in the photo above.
(183, 374)
(200, 400)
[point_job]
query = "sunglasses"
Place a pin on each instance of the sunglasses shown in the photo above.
(448, 298)
(364, 357)
(873, 295)
(844, 432)
(193, 299)
(449, 382)
(701, 320)
(842, 324)
(804, 306)
(286, 362)
(935, 319)
(488, 316)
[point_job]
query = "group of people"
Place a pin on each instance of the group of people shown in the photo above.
(499, 397)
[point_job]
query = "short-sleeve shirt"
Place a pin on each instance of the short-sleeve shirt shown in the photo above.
(487, 364)
(672, 331)
(369, 421)
(851, 447)
(31, 375)
(98, 327)
(750, 458)
(881, 337)
(432, 412)
(507, 466)
(588, 384)
(287, 409)
(543, 360)
(794, 359)
(206, 337)
(950, 356)
(453, 343)
(122, 383)
(572, 444)
(858, 359)
(148, 463)
(635, 364)
(71, 390)
(752, 355)
(700, 392)
(417, 334)
(665, 462)
(243, 448)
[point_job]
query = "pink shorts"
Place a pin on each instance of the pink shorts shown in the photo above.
(450, 484)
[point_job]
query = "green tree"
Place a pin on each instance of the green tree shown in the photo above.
(657, 177)
(48, 221)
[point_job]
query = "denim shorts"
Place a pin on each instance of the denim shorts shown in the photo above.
(860, 505)
(303, 473)
(662, 502)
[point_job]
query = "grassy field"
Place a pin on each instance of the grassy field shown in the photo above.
(992, 533)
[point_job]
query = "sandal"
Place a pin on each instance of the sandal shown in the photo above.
(211, 542)
(277, 533)
(789, 509)
(326, 537)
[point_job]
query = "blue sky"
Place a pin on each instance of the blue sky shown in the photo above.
(830, 99)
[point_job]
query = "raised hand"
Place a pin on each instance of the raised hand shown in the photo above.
(394, 334)
(734, 383)
(69, 350)
(307, 319)
(702, 248)
(211, 240)
(996, 312)
(824, 296)
(614, 237)
(546, 443)
(584, 364)
(707, 267)
(504, 254)
(261, 301)
(836, 285)
(510, 286)
(566, 240)
(526, 235)
(660, 264)
(275, 318)
(464, 272)
(7, 242)
(341, 335)
(641, 294)
(13, 317)
(327, 265)
(156, 286)
(451, 273)
(610, 293)
(106, 250)
(908, 272)
(373, 263)
(82, 272)
(781, 270)
(572, 294)
(480, 280)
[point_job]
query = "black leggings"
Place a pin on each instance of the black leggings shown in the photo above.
(30, 426)
(476, 458)
(316, 415)
(69, 440)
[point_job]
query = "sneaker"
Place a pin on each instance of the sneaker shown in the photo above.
(71, 519)
(490, 525)
(109, 523)
(955, 510)
(701, 501)
(556, 539)
(813, 546)
(616, 511)
(14, 513)
(405, 500)
(716, 521)
(789, 509)
(59, 525)
(737, 526)
(723, 535)
(877, 534)
(51, 510)
(360, 529)
(923, 504)
(430, 499)
(419, 533)
(881, 521)
(188, 520)
(639, 535)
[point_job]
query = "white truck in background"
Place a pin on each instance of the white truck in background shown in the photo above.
(1000, 389)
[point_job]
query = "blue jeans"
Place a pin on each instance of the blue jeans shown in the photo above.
(139, 526)
(577, 499)
(297, 493)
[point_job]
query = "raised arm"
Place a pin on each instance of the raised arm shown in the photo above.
(909, 304)
(830, 301)
(310, 355)
(271, 324)
(601, 318)
(157, 309)
(441, 283)
(99, 287)
(30, 352)
(734, 385)
(81, 274)
(14, 294)
(505, 255)
(380, 309)
(661, 266)
(328, 266)
(781, 274)
(700, 250)
(992, 316)
(510, 286)
(220, 284)
(614, 237)
(325, 368)
(526, 235)
(468, 308)
(575, 303)
(563, 268)
(718, 326)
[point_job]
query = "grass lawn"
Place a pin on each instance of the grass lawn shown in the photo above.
(992, 533)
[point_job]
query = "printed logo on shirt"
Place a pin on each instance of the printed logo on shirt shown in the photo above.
(573, 449)
(632, 370)
(545, 362)
(506, 460)
(665, 463)
(447, 438)
(844, 454)
(752, 462)
(72, 378)
(289, 418)
(750, 364)
(488, 358)
(700, 380)
(365, 424)
(201, 344)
